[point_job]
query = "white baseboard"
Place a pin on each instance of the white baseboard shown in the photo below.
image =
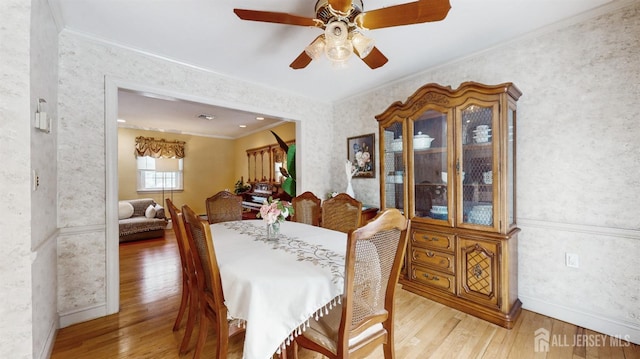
(82, 315)
(618, 329)
(45, 352)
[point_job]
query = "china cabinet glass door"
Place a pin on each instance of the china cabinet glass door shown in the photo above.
(430, 166)
(477, 165)
(393, 165)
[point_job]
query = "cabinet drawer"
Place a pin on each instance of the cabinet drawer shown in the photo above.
(438, 260)
(443, 242)
(433, 278)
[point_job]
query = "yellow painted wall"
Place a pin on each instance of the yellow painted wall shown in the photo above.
(210, 165)
(208, 168)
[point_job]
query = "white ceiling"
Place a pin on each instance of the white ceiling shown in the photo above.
(207, 34)
(147, 111)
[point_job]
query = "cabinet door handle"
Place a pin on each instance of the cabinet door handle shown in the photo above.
(477, 271)
(433, 239)
(432, 277)
(430, 254)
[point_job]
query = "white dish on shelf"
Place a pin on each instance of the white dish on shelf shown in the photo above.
(421, 141)
(394, 178)
(482, 139)
(481, 214)
(444, 176)
(396, 145)
(480, 219)
(487, 177)
(439, 209)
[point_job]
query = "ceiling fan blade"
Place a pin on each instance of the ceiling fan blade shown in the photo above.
(301, 61)
(340, 5)
(375, 59)
(405, 14)
(275, 17)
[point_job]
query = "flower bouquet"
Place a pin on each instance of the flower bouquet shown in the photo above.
(274, 212)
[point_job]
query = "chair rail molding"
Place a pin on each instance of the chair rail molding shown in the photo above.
(548, 296)
(581, 228)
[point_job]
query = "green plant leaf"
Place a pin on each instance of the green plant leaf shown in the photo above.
(282, 144)
(289, 184)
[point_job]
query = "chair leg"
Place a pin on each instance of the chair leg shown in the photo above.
(183, 303)
(388, 346)
(202, 335)
(222, 336)
(292, 350)
(191, 320)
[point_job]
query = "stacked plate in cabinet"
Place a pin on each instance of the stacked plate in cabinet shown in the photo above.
(481, 214)
(438, 212)
(482, 134)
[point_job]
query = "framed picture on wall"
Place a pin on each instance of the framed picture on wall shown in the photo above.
(361, 153)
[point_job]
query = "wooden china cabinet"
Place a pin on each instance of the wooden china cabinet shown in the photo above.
(447, 159)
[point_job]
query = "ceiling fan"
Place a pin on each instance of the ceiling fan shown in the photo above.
(343, 22)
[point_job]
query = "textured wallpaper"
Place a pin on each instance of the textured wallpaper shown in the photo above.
(44, 204)
(15, 286)
(577, 152)
(28, 49)
(84, 64)
(578, 157)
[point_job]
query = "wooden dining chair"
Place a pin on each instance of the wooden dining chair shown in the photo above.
(224, 206)
(364, 319)
(306, 209)
(212, 309)
(189, 299)
(341, 213)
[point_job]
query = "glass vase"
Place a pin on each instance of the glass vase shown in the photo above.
(273, 230)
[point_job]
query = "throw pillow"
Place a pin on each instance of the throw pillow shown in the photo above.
(159, 211)
(125, 210)
(150, 212)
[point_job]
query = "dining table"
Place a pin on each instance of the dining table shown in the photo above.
(275, 286)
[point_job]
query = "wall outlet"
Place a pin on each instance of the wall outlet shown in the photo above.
(35, 180)
(572, 260)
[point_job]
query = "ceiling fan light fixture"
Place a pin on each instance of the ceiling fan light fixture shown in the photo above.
(335, 32)
(337, 46)
(362, 44)
(316, 48)
(339, 52)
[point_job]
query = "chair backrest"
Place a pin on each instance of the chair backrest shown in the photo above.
(204, 258)
(177, 224)
(306, 209)
(224, 206)
(341, 213)
(373, 260)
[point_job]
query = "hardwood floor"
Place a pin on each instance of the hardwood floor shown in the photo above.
(150, 295)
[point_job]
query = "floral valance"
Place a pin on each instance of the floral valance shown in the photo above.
(149, 146)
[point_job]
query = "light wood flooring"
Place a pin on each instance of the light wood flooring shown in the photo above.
(150, 295)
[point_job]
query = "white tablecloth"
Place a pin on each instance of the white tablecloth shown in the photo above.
(275, 286)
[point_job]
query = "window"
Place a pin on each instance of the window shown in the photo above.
(150, 178)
